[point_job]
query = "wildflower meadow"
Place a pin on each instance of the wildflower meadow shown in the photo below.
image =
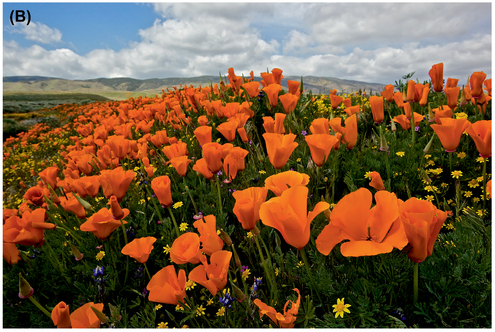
(245, 205)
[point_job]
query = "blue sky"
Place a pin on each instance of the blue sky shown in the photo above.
(372, 42)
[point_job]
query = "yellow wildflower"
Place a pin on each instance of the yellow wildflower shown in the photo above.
(400, 153)
(177, 205)
(183, 226)
(163, 325)
(100, 255)
(456, 174)
(340, 308)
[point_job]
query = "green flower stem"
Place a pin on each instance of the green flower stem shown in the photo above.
(413, 127)
(107, 249)
(190, 196)
(268, 274)
(450, 161)
(36, 303)
(270, 263)
(174, 221)
(219, 197)
(154, 203)
(389, 177)
(484, 184)
(146, 268)
(308, 270)
(416, 277)
(127, 257)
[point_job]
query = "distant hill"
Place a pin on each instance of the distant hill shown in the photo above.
(155, 85)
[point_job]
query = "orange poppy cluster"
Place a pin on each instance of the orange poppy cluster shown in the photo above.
(112, 133)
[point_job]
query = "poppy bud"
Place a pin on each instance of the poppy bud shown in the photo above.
(463, 100)
(327, 211)
(25, 290)
(427, 148)
(76, 252)
(101, 316)
(85, 204)
(393, 127)
(117, 212)
(383, 141)
(225, 237)
(239, 294)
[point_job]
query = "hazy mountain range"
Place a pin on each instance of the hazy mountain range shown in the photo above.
(155, 85)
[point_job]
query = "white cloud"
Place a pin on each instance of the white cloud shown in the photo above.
(366, 42)
(39, 32)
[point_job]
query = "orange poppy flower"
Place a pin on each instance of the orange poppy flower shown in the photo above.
(371, 231)
(178, 149)
(274, 126)
(319, 126)
(481, 133)
(35, 195)
(228, 129)
(285, 320)
(247, 205)
(405, 122)
(452, 96)
(289, 102)
(207, 228)
(287, 214)
(28, 230)
(167, 287)
(272, 91)
(347, 102)
(139, 248)
(226, 148)
(185, 249)
(280, 182)
(376, 181)
(398, 98)
(242, 133)
(202, 120)
(350, 136)
(119, 145)
(376, 104)
(162, 189)
(180, 164)
(277, 75)
(202, 167)
(489, 189)
(422, 222)
(279, 148)
(212, 153)
(213, 276)
(293, 86)
(451, 82)
(352, 110)
(488, 86)
(423, 94)
(436, 75)
(61, 316)
(320, 146)
(102, 223)
(84, 317)
(252, 88)
(72, 205)
(86, 186)
(203, 134)
(476, 83)
(388, 93)
(442, 112)
(411, 91)
(335, 100)
(11, 253)
(449, 131)
(116, 182)
(49, 176)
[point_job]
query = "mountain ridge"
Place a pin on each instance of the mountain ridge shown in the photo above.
(316, 84)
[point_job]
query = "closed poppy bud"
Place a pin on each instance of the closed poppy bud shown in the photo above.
(239, 294)
(393, 127)
(383, 141)
(428, 146)
(99, 314)
(436, 75)
(225, 237)
(61, 316)
(243, 134)
(162, 189)
(78, 255)
(85, 204)
(117, 212)
(376, 181)
(25, 290)
(139, 248)
(376, 104)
